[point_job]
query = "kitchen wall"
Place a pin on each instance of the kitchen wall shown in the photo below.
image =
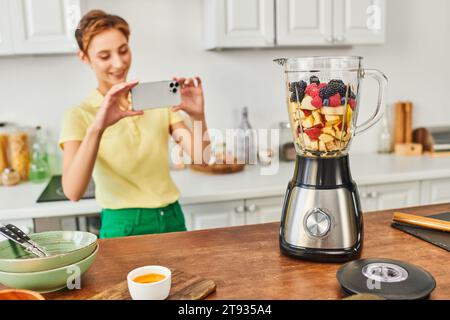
(167, 39)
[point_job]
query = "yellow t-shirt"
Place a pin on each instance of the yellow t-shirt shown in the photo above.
(132, 167)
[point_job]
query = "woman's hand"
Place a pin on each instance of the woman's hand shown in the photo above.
(192, 100)
(115, 106)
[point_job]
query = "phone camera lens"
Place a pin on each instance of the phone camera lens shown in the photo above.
(171, 84)
(176, 84)
(174, 90)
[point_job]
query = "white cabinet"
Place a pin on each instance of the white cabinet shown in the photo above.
(304, 22)
(263, 210)
(44, 26)
(268, 23)
(233, 213)
(389, 196)
(6, 46)
(436, 191)
(359, 21)
(239, 23)
(214, 215)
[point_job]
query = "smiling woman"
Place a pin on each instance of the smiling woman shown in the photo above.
(126, 151)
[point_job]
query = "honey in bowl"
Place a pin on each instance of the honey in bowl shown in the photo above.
(149, 278)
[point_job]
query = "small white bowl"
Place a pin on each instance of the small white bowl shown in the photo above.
(149, 291)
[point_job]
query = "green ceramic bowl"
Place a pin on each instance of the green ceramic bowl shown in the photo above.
(65, 247)
(50, 280)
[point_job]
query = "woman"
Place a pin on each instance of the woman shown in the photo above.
(125, 151)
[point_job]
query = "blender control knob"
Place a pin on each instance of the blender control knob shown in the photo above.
(317, 223)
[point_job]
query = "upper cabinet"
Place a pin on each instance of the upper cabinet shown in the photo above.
(304, 22)
(239, 23)
(359, 21)
(5, 29)
(269, 23)
(39, 27)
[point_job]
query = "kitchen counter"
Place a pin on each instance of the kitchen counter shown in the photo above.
(19, 202)
(245, 262)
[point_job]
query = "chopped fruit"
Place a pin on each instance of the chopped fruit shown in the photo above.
(317, 101)
(310, 87)
(313, 133)
(349, 115)
(305, 113)
(308, 122)
(333, 110)
(318, 126)
(317, 118)
(326, 102)
(346, 137)
(330, 145)
(314, 145)
(322, 85)
(332, 118)
(306, 103)
(335, 100)
(352, 103)
(314, 79)
(326, 137)
(322, 146)
(338, 127)
(329, 130)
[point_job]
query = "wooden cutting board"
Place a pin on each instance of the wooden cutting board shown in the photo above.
(184, 286)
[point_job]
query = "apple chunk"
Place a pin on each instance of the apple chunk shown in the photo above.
(333, 110)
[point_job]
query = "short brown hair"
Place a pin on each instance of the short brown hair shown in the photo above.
(95, 22)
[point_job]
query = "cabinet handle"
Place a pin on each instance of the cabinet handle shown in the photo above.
(239, 209)
(270, 41)
(329, 39)
(365, 195)
(374, 194)
(340, 39)
(252, 208)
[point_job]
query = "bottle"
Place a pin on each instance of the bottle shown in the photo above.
(39, 168)
(246, 140)
(384, 142)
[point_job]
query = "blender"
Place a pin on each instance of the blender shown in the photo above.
(322, 218)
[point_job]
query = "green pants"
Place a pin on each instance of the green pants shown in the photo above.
(138, 221)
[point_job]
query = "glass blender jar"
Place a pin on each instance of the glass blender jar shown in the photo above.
(322, 217)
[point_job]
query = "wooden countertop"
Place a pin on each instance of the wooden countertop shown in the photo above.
(245, 262)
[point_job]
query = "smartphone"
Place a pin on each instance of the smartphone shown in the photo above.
(153, 95)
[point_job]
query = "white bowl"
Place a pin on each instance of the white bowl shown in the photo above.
(149, 291)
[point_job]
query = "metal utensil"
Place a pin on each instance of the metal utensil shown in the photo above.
(16, 235)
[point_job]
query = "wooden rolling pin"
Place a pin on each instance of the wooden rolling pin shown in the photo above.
(424, 222)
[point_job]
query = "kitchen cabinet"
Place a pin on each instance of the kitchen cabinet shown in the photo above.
(233, 213)
(263, 210)
(359, 21)
(304, 22)
(39, 27)
(436, 191)
(269, 23)
(5, 29)
(214, 215)
(239, 24)
(388, 196)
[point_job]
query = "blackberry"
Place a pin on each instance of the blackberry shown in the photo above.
(328, 91)
(297, 86)
(314, 79)
(294, 98)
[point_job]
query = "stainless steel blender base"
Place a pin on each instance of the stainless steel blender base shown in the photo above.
(322, 217)
(321, 224)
